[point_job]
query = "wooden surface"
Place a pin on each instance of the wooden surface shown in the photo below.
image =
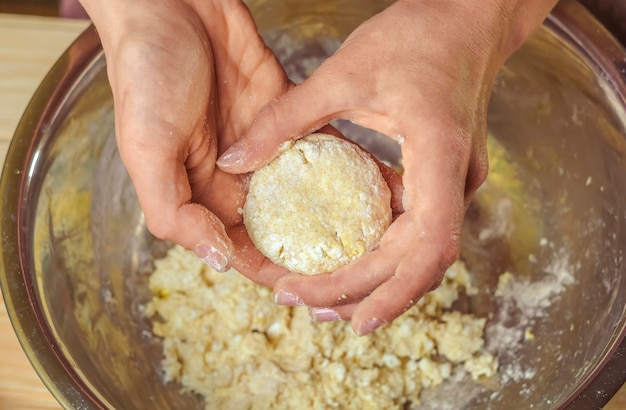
(28, 48)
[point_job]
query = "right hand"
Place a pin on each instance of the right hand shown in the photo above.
(421, 72)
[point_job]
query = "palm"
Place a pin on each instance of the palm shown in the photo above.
(183, 94)
(248, 76)
(412, 90)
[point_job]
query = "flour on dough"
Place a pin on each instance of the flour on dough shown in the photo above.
(319, 205)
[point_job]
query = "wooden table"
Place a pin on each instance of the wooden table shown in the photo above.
(28, 48)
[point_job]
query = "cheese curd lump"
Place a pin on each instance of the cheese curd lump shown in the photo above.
(224, 338)
(320, 204)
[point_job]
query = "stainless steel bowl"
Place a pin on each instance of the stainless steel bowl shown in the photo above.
(76, 255)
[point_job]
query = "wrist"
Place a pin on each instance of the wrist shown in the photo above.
(116, 20)
(520, 18)
(490, 26)
(111, 19)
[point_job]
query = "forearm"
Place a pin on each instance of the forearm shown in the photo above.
(115, 20)
(105, 15)
(518, 20)
(487, 26)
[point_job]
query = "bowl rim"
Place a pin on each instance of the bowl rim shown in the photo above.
(607, 56)
(569, 18)
(18, 289)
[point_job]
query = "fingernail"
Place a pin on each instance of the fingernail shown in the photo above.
(369, 326)
(287, 299)
(233, 155)
(324, 315)
(213, 257)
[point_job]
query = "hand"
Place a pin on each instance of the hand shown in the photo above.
(187, 79)
(420, 72)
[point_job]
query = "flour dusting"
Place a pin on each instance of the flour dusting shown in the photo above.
(521, 303)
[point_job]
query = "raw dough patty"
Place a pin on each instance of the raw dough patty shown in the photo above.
(320, 204)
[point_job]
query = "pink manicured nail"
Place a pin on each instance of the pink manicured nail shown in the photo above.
(213, 257)
(234, 155)
(369, 326)
(324, 315)
(287, 299)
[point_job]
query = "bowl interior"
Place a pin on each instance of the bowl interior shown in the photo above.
(551, 213)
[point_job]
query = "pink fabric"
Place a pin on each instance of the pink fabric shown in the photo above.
(72, 9)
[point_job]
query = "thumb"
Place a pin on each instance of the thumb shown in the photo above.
(301, 111)
(161, 181)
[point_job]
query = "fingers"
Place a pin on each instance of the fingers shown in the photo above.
(478, 167)
(343, 312)
(425, 240)
(414, 252)
(156, 163)
(348, 284)
(380, 286)
(371, 298)
(165, 200)
(284, 119)
(414, 276)
(248, 261)
(394, 181)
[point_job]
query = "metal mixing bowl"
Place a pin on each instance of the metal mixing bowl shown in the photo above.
(76, 255)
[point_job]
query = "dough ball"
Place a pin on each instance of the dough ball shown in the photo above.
(320, 204)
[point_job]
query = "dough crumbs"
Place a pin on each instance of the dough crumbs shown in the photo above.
(319, 205)
(224, 338)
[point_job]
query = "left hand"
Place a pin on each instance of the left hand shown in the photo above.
(188, 77)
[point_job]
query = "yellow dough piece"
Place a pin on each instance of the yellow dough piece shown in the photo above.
(224, 338)
(319, 205)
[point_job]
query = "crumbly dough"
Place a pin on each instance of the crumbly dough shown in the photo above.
(224, 338)
(320, 204)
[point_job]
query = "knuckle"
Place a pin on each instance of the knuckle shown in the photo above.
(161, 226)
(450, 251)
(271, 112)
(481, 167)
(476, 175)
